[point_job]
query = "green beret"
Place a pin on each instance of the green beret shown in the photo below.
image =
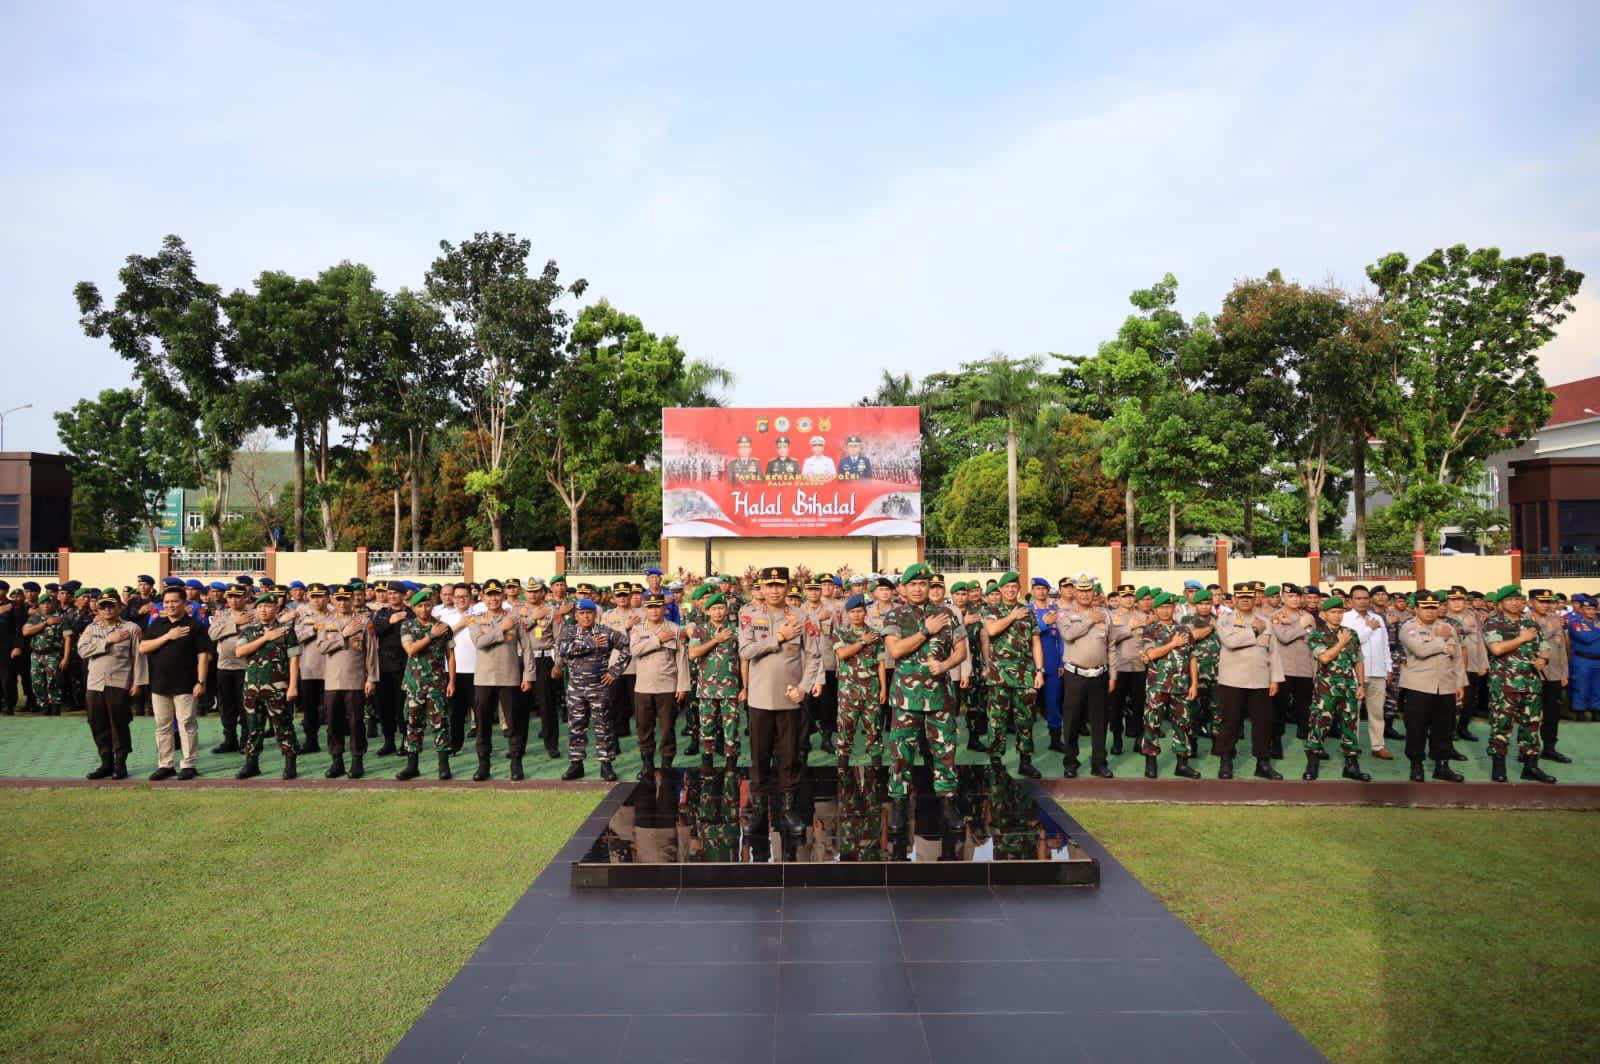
(421, 596)
(1011, 577)
(916, 571)
(715, 600)
(1164, 599)
(1411, 599)
(1272, 589)
(268, 597)
(1141, 593)
(1503, 593)
(990, 586)
(700, 592)
(1333, 603)
(559, 578)
(1202, 595)
(1098, 590)
(1154, 591)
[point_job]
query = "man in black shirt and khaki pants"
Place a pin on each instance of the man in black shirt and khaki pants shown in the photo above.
(179, 653)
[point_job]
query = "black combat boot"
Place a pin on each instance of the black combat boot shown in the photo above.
(789, 816)
(1464, 731)
(444, 765)
(1455, 755)
(1551, 754)
(1313, 763)
(975, 744)
(1116, 744)
(230, 742)
(608, 773)
(516, 768)
(411, 771)
(1532, 771)
(1151, 772)
(1352, 770)
(1185, 770)
(1275, 750)
(336, 769)
(120, 771)
(1391, 732)
(1265, 771)
(897, 817)
(1417, 775)
(647, 766)
(950, 815)
(550, 749)
(251, 769)
(483, 769)
(1025, 767)
(311, 746)
(1225, 770)
(1056, 744)
(1443, 771)
(1069, 770)
(103, 771)
(1497, 768)
(357, 769)
(1101, 772)
(388, 746)
(290, 770)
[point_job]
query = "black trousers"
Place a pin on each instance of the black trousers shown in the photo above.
(490, 701)
(1086, 696)
(620, 706)
(460, 708)
(774, 731)
(391, 697)
(1292, 705)
(1430, 724)
(1476, 701)
(230, 700)
(8, 681)
(346, 713)
(547, 701)
(823, 709)
(311, 696)
(656, 712)
(1552, 700)
(110, 721)
(1125, 713)
(1238, 703)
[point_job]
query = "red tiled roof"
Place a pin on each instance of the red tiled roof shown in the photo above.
(1571, 398)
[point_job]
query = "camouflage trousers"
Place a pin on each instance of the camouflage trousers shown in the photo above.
(1205, 709)
(49, 693)
(927, 711)
(426, 698)
(1162, 706)
(586, 703)
(1508, 708)
(857, 708)
(1009, 712)
(718, 721)
(1336, 707)
(266, 703)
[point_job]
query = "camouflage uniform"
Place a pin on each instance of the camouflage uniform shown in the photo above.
(1514, 687)
(860, 820)
(858, 693)
(587, 699)
(716, 688)
(1207, 654)
(1166, 688)
(1013, 825)
(266, 689)
(920, 702)
(1009, 676)
(977, 694)
(426, 677)
(716, 815)
(1335, 698)
(45, 646)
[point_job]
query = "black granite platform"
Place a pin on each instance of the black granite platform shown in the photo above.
(698, 828)
(834, 975)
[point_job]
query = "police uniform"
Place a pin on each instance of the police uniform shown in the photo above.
(309, 624)
(505, 663)
(782, 668)
(115, 669)
(744, 470)
(1086, 659)
(350, 668)
(1248, 668)
(660, 653)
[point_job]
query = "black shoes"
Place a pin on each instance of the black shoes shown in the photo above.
(483, 769)
(251, 769)
(1559, 758)
(388, 747)
(516, 768)
(975, 744)
(162, 774)
(444, 765)
(1025, 768)
(1352, 770)
(1275, 750)
(290, 772)
(1443, 771)
(789, 816)
(1150, 770)
(120, 771)
(950, 814)
(1391, 732)
(1312, 765)
(1265, 771)
(1417, 775)
(336, 769)
(550, 749)
(1532, 771)
(1225, 770)
(1185, 771)
(1116, 744)
(103, 772)
(608, 773)
(1103, 772)
(1069, 770)
(1056, 744)
(411, 771)
(188, 774)
(311, 746)
(647, 766)
(1455, 755)
(229, 745)
(897, 817)
(1497, 768)
(357, 769)
(1465, 734)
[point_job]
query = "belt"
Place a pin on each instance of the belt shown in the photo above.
(543, 653)
(1581, 654)
(1087, 674)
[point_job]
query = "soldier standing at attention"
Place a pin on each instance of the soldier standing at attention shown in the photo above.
(310, 623)
(658, 648)
(714, 649)
(116, 672)
(1514, 666)
(921, 640)
(387, 616)
(271, 681)
(1336, 692)
(350, 675)
(1432, 677)
(224, 634)
(48, 643)
(1470, 627)
(1290, 627)
(586, 650)
(859, 651)
(1086, 677)
(1552, 692)
(1014, 670)
(1247, 676)
(622, 617)
(539, 618)
(1206, 650)
(505, 664)
(825, 614)
(429, 681)
(744, 469)
(1172, 681)
(1125, 712)
(784, 656)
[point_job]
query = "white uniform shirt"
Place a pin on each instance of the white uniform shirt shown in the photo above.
(466, 649)
(1374, 642)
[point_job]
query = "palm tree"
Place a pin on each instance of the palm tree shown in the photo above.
(701, 384)
(1012, 388)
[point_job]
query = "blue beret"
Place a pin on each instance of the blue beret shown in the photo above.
(301, 584)
(1197, 585)
(217, 585)
(172, 581)
(192, 582)
(73, 585)
(4, 586)
(52, 587)
(586, 604)
(652, 571)
(834, 580)
(145, 580)
(243, 578)
(855, 601)
(31, 585)
(1038, 581)
(266, 581)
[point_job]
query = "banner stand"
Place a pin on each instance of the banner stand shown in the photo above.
(874, 553)
(707, 570)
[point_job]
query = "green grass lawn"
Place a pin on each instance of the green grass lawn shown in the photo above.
(1389, 934)
(150, 925)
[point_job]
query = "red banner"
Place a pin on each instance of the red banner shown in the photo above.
(791, 471)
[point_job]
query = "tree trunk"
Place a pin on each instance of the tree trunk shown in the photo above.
(1360, 477)
(396, 547)
(1127, 514)
(329, 534)
(416, 509)
(1313, 518)
(572, 527)
(496, 530)
(1011, 487)
(299, 486)
(216, 511)
(1249, 529)
(1419, 537)
(1172, 535)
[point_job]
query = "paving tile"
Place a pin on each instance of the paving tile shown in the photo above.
(844, 988)
(700, 1039)
(841, 903)
(841, 942)
(1011, 1038)
(1191, 1037)
(945, 903)
(851, 1039)
(547, 1039)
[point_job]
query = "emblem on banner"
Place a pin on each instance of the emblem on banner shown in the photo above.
(825, 424)
(761, 424)
(781, 424)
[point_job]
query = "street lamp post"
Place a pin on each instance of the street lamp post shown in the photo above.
(3, 413)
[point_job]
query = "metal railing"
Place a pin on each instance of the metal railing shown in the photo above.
(1161, 558)
(970, 559)
(611, 562)
(446, 563)
(30, 563)
(1560, 566)
(1372, 567)
(210, 563)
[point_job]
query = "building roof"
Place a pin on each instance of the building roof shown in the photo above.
(1571, 398)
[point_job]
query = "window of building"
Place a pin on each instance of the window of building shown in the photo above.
(1579, 520)
(10, 522)
(193, 521)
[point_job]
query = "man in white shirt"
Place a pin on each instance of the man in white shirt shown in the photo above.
(456, 609)
(818, 464)
(1373, 636)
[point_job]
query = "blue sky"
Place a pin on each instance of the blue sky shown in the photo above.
(807, 198)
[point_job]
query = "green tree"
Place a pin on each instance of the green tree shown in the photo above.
(977, 508)
(1088, 503)
(1015, 390)
(169, 324)
(120, 468)
(1467, 326)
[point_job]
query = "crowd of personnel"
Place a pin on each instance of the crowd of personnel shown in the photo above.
(896, 662)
